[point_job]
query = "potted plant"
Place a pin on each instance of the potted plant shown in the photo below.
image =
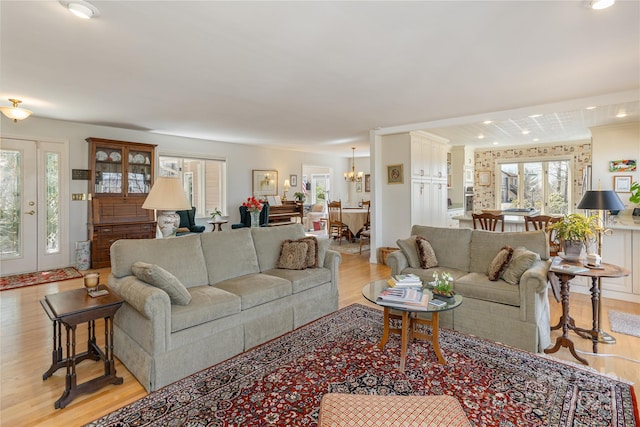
(442, 288)
(215, 214)
(635, 193)
(574, 231)
(298, 196)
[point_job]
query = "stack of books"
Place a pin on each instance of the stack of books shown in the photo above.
(405, 281)
(406, 298)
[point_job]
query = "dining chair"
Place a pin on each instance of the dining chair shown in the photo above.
(365, 237)
(542, 222)
(488, 221)
(337, 229)
(367, 223)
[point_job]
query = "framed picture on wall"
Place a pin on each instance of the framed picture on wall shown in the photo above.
(293, 180)
(622, 184)
(367, 182)
(358, 187)
(395, 174)
(265, 183)
(484, 178)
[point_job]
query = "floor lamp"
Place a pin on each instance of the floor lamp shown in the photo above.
(167, 196)
(602, 201)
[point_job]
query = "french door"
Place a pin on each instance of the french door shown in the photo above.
(33, 217)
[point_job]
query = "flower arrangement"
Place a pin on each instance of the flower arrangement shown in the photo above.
(442, 284)
(253, 204)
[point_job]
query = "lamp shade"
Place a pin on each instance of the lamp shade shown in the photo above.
(606, 200)
(167, 195)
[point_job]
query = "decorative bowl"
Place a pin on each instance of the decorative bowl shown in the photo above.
(91, 281)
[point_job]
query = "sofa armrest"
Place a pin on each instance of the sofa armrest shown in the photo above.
(332, 260)
(397, 261)
(151, 302)
(535, 278)
(533, 292)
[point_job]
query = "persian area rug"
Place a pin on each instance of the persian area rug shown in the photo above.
(282, 382)
(39, 277)
(625, 323)
(348, 247)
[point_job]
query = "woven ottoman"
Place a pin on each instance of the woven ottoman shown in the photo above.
(356, 410)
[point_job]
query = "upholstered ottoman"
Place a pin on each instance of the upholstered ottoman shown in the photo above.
(356, 410)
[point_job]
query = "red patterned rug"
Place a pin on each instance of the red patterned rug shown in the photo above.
(39, 277)
(281, 382)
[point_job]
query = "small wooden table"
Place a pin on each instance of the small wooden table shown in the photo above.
(566, 322)
(409, 321)
(219, 222)
(70, 309)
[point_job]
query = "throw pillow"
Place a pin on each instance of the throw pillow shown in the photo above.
(521, 260)
(160, 278)
(500, 262)
(425, 252)
(293, 255)
(312, 253)
(409, 249)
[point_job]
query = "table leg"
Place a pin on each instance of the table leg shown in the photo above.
(603, 337)
(70, 377)
(595, 302)
(406, 325)
(56, 355)
(435, 333)
(385, 330)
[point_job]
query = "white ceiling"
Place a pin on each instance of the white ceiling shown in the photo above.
(318, 76)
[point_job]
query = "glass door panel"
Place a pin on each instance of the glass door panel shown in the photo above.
(108, 170)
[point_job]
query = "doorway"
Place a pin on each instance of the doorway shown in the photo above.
(33, 209)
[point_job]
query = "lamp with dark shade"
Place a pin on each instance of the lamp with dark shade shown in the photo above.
(601, 200)
(168, 196)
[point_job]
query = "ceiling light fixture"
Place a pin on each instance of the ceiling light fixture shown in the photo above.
(487, 122)
(591, 107)
(481, 136)
(534, 116)
(495, 142)
(16, 113)
(81, 8)
(526, 132)
(601, 4)
(352, 176)
(621, 114)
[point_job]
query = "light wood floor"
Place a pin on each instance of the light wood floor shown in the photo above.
(26, 334)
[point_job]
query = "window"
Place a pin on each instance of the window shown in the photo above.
(542, 185)
(203, 180)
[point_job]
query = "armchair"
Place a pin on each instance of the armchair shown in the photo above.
(188, 222)
(245, 217)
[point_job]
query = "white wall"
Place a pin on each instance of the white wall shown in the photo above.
(241, 159)
(614, 142)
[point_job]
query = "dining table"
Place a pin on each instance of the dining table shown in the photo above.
(354, 218)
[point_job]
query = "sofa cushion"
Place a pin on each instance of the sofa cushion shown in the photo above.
(521, 260)
(293, 255)
(207, 303)
(426, 254)
(499, 262)
(312, 252)
(478, 286)
(268, 240)
(256, 289)
(451, 245)
(182, 256)
(410, 250)
(323, 247)
(230, 253)
(162, 279)
(302, 280)
(486, 244)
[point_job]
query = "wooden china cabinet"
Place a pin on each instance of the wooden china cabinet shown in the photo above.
(121, 177)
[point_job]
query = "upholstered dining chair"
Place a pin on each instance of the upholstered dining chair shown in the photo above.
(488, 221)
(542, 222)
(337, 229)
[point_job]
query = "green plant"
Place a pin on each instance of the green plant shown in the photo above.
(216, 213)
(575, 227)
(442, 284)
(635, 193)
(298, 196)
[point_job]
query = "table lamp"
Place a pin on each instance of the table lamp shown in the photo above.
(601, 200)
(287, 186)
(167, 195)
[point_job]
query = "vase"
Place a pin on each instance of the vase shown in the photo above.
(573, 248)
(255, 219)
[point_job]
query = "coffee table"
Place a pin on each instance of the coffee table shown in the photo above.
(410, 321)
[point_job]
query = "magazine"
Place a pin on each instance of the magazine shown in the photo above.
(420, 305)
(400, 295)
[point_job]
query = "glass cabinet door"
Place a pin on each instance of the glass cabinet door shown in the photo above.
(139, 171)
(108, 175)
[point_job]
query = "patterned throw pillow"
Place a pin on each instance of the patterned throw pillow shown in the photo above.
(500, 262)
(160, 278)
(425, 253)
(312, 253)
(521, 261)
(293, 255)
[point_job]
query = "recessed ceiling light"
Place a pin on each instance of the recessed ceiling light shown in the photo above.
(533, 116)
(536, 139)
(526, 132)
(592, 107)
(621, 114)
(488, 122)
(495, 142)
(601, 4)
(481, 136)
(81, 8)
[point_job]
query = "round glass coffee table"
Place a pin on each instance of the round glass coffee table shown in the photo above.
(409, 321)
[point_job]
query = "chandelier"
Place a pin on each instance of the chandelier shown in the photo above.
(352, 176)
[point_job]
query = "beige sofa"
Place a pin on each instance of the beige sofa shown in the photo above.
(516, 315)
(239, 299)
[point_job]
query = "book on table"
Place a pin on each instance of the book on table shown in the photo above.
(570, 269)
(420, 305)
(400, 295)
(409, 280)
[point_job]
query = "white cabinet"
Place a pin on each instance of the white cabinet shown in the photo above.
(428, 156)
(452, 213)
(429, 202)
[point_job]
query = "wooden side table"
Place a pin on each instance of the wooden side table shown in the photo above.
(219, 222)
(70, 309)
(566, 322)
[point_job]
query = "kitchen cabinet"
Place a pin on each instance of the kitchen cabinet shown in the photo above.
(121, 176)
(429, 203)
(428, 156)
